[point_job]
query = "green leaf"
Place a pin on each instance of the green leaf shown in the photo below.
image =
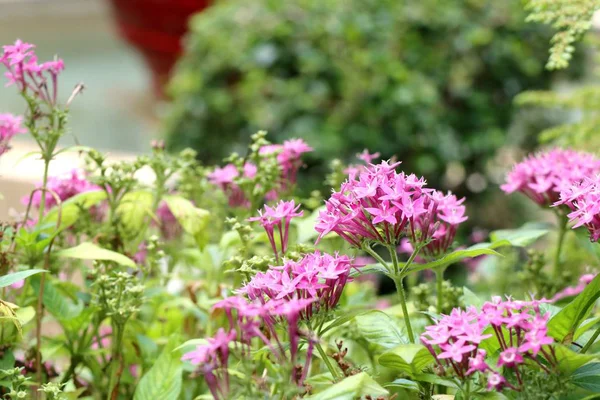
(133, 211)
(71, 209)
(306, 226)
(25, 314)
(380, 329)
(458, 255)
(369, 269)
(587, 377)
(342, 319)
(568, 360)
(436, 380)
(408, 358)
(470, 299)
(522, 237)
(352, 387)
(193, 220)
(404, 384)
(90, 251)
(56, 302)
(9, 279)
(564, 324)
(163, 381)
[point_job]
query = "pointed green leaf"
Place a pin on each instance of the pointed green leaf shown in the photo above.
(56, 302)
(564, 324)
(352, 387)
(9, 279)
(458, 255)
(380, 329)
(163, 381)
(404, 384)
(436, 380)
(90, 251)
(134, 209)
(408, 358)
(522, 237)
(587, 377)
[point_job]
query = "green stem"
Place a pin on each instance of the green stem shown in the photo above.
(377, 257)
(467, 392)
(115, 362)
(562, 230)
(591, 341)
(398, 280)
(400, 290)
(325, 358)
(439, 282)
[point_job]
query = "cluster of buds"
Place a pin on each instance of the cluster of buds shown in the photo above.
(519, 328)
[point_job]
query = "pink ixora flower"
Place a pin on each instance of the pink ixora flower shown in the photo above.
(543, 176)
(10, 125)
(278, 217)
(379, 204)
(64, 186)
(225, 178)
(317, 276)
(289, 157)
(583, 199)
(518, 327)
(24, 71)
(570, 291)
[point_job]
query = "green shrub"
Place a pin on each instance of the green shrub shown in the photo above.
(431, 81)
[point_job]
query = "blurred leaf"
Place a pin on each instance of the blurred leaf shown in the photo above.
(436, 380)
(568, 360)
(90, 251)
(163, 381)
(522, 237)
(471, 299)
(407, 358)
(379, 329)
(404, 384)
(458, 255)
(71, 209)
(587, 377)
(56, 302)
(9, 279)
(134, 210)
(564, 324)
(193, 220)
(350, 388)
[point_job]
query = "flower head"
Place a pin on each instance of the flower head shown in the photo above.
(10, 125)
(543, 176)
(583, 199)
(278, 217)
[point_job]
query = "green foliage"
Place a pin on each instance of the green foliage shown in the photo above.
(355, 386)
(163, 380)
(90, 251)
(428, 81)
(408, 358)
(571, 18)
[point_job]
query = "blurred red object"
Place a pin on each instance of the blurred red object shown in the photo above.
(155, 28)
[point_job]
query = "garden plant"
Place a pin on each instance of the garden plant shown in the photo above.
(223, 282)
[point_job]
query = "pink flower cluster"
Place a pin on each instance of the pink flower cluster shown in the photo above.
(543, 176)
(248, 322)
(64, 186)
(30, 77)
(382, 205)
(10, 125)
(278, 217)
(320, 277)
(570, 291)
(583, 199)
(289, 158)
(367, 158)
(284, 295)
(519, 328)
(225, 178)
